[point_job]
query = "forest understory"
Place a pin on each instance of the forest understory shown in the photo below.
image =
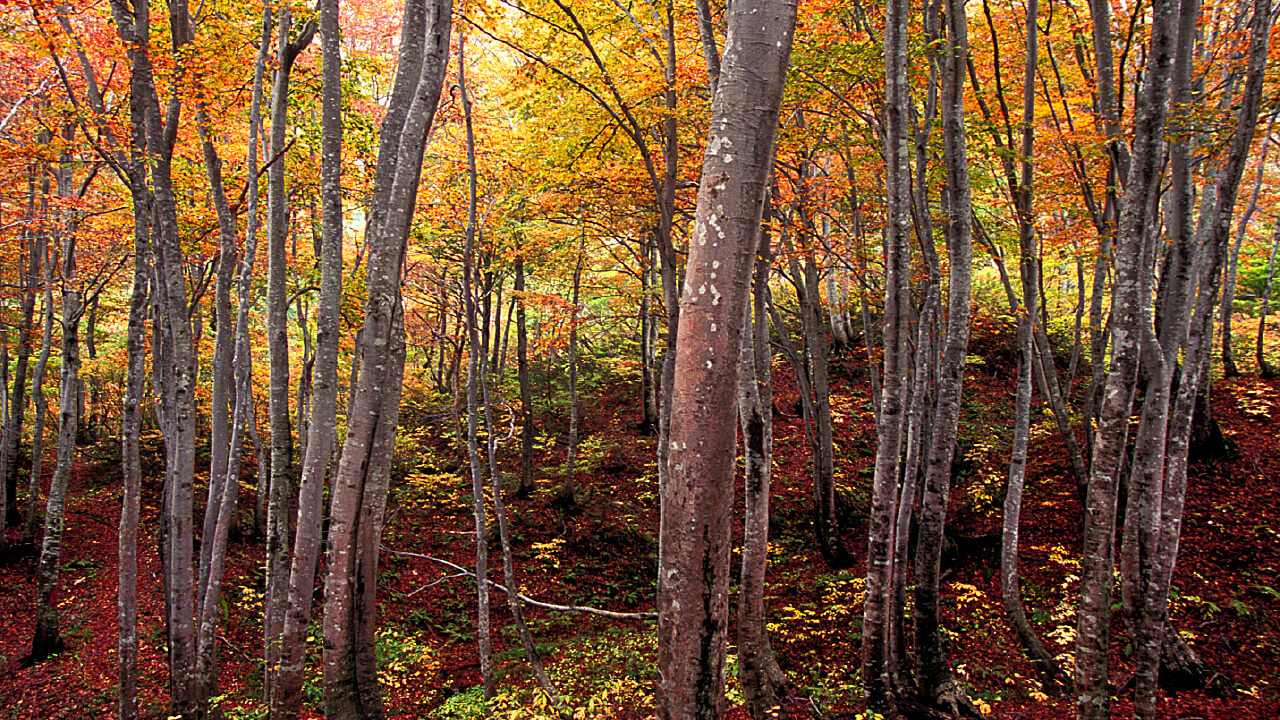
(601, 551)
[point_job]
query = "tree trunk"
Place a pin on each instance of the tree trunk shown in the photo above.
(1265, 369)
(526, 389)
(47, 639)
(1229, 368)
(12, 439)
(1133, 245)
(359, 493)
(280, 490)
(475, 359)
(648, 340)
(322, 427)
(1010, 591)
(693, 576)
(130, 423)
(38, 397)
(566, 496)
(1158, 482)
(826, 524)
(475, 343)
(764, 686)
(937, 686)
(889, 423)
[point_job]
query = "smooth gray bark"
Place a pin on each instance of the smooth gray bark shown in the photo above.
(47, 638)
(764, 685)
(280, 489)
(322, 431)
(359, 491)
(1133, 246)
(877, 608)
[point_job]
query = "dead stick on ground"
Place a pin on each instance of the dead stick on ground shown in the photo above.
(536, 603)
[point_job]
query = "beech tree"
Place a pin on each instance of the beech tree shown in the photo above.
(1133, 244)
(693, 570)
(280, 490)
(359, 492)
(47, 639)
(322, 431)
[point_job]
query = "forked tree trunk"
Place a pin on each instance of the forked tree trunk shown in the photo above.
(280, 490)
(359, 492)
(1158, 482)
(937, 685)
(322, 428)
(1092, 690)
(220, 508)
(693, 573)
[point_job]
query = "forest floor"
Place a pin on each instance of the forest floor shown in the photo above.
(601, 551)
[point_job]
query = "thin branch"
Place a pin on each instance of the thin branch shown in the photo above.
(546, 606)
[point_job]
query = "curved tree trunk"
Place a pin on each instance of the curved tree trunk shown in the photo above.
(322, 430)
(693, 571)
(280, 489)
(47, 639)
(359, 492)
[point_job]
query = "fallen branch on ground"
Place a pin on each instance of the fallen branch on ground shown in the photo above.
(535, 603)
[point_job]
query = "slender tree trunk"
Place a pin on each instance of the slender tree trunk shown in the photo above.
(1010, 591)
(12, 439)
(475, 342)
(1265, 369)
(38, 397)
(1229, 368)
(937, 685)
(919, 402)
(889, 423)
(131, 464)
(322, 427)
(526, 390)
(302, 406)
(648, 337)
(474, 360)
(567, 495)
(763, 683)
(281, 489)
(220, 503)
(47, 639)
